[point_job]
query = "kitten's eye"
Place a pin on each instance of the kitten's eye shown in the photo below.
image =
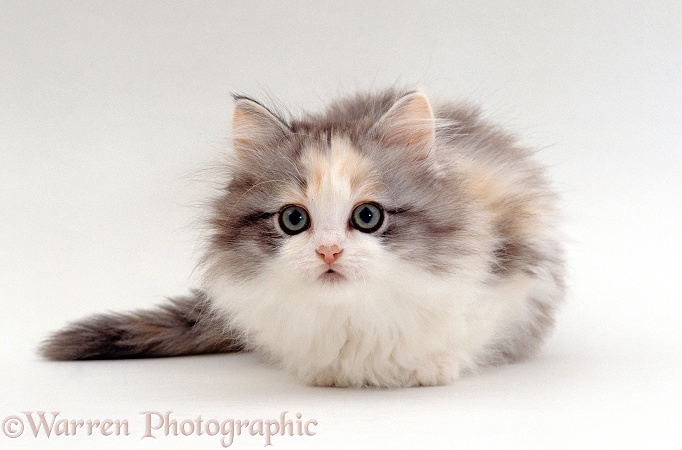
(294, 219)
(367, 217)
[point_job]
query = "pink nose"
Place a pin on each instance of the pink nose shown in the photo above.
(329, 253)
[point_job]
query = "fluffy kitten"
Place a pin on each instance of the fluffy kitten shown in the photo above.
(387, 241)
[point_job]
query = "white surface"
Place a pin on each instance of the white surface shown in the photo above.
(108, 109)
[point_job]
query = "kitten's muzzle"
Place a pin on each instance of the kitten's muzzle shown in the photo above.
(331, 276)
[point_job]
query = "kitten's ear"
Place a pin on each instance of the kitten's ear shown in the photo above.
(254, 127)
(409, 123)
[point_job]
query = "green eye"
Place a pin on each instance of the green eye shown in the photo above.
(367, 217)
(294, 219)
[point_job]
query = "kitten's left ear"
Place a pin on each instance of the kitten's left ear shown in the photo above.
(409, 123)
(255, 128)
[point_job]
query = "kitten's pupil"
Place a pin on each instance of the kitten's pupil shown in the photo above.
(366, 215)
(295, 217)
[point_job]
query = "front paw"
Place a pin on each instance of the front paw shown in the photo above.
(435, 372)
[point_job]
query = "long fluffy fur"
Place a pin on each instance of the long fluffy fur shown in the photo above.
(465, 271)
(182, 326)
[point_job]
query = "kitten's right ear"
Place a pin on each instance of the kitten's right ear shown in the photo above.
(254, 127)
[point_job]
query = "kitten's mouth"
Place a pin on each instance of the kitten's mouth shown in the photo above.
(331, 276)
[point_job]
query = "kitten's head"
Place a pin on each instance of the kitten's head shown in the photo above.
(357, 193)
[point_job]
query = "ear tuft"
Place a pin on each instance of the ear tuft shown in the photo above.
(409, 123)
(254, 127)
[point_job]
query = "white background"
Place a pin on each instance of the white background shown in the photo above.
(109, 111)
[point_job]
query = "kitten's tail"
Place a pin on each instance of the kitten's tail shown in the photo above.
(184, 326)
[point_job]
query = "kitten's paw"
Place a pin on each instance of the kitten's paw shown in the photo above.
(325, 378)
(435, 372)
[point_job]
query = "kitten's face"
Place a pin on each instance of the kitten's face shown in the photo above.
(343, 209)
(333, 209)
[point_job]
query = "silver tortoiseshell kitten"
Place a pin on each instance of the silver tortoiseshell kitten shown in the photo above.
(388, 241)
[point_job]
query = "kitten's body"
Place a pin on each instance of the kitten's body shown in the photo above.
(464, 270)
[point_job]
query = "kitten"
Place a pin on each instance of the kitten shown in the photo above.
(387, 241)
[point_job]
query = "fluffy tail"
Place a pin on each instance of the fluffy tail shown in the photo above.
(184, 326)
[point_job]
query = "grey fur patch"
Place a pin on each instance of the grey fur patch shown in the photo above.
(183, 326)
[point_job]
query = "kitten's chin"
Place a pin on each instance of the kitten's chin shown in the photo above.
(331, 276)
